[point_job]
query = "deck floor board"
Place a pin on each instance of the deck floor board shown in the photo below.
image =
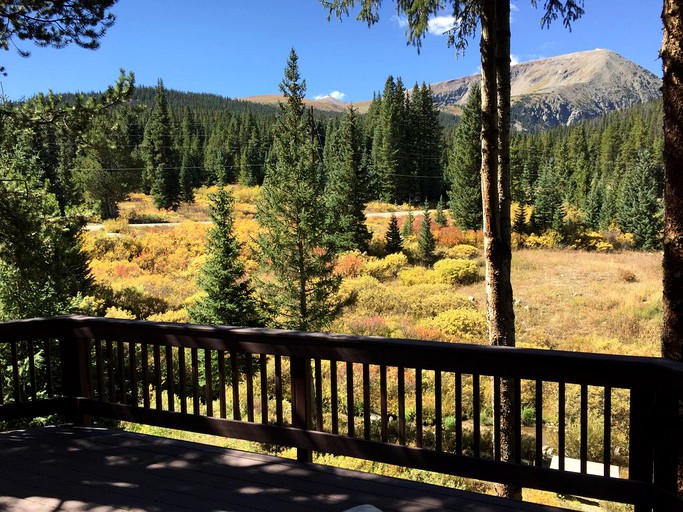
(92, 469)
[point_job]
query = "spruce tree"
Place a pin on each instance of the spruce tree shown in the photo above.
(228, 296)
(464, 166)
(639, 209)
(161, 171)
(407, 228)
(426, 244)
(392, 238)
(440, 216)
(297, 252)
(346, 189)
(548, 205)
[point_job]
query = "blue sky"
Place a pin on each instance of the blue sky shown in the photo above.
(237, 49)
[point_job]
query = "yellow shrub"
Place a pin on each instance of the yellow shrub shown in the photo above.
(603, 246)
(119, 225)
(547, 240)
(114, 312)
(456, 271)
(460, 325)
(386, 268)
(416, 275)
(178, 316)
(462, 251)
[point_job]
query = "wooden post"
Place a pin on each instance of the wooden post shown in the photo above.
(300, 369)
(667, 446)
(76, 379)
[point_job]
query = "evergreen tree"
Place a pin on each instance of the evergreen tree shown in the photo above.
(191, 164)
(519, 222)
(426, 244)
(548, 205)
(392, 238)
(464, 166)
(427, 145)
(346, 188)
(440, 216)
(639, 209)
(297, 252)
(407, 228)
(229, 298)
(161, 172)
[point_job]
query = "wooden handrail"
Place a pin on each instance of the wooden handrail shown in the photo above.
(332, 393)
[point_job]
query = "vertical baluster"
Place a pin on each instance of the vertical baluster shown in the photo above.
(278, 389)
(539, 423)
(319, 395)
(48, 372)
(208, 382)
(263, 376)
(496, 418)
(182, 380)
(250, 387)
(2, 384)
(111, 383)
(366, 401)
(194, 356)
(170, 386)
(32, 370)
(517, 414)
(458, 413)
(98, 370)
(476, 416)
(418, 407)
(401, 406)
(122, 372)
(157, 376)
(334, 397)
(221, 384)
(235, 376)
(607, 432)
(384, 412)
(561, 425)
(584, 429)
(144, 359)
(15, 372)
(349, 399)
(437, 411)
(133, 374)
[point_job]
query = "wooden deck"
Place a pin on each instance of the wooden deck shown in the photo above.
(94, 469)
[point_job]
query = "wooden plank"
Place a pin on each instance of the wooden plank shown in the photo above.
(249, 363)
(350, 408)
(366, 401)
(170, 378)
(222, 404)
(334, 397)
(235, 384)
(384, 421)
(263, 376)
(208, 382)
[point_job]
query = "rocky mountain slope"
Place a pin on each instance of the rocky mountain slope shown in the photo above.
(565, 89)
(546, 92)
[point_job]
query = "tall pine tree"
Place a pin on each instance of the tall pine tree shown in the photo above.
(229, 297)
(346, 189)
(297, 252)
(161, 171)
(464, 165)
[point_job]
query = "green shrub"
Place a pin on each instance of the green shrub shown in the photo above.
(456, 271)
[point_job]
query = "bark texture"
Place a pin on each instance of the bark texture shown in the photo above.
(672, 61)
(502, 315)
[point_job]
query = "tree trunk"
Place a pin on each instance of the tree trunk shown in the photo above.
(672, 60)
(502, 330)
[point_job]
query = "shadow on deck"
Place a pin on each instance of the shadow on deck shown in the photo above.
(84, 468)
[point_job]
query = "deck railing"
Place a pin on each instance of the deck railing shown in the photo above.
(424, 405)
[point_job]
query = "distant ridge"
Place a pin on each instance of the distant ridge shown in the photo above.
(546, 92)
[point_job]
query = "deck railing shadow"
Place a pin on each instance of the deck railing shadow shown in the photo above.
(424, 405)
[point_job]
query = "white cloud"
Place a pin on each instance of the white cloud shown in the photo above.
(400, 21)
(441, 24)
(513, 7)
(337, 95)
(514, 59)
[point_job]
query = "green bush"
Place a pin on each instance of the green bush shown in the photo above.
(456, 271)
(462, 251)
